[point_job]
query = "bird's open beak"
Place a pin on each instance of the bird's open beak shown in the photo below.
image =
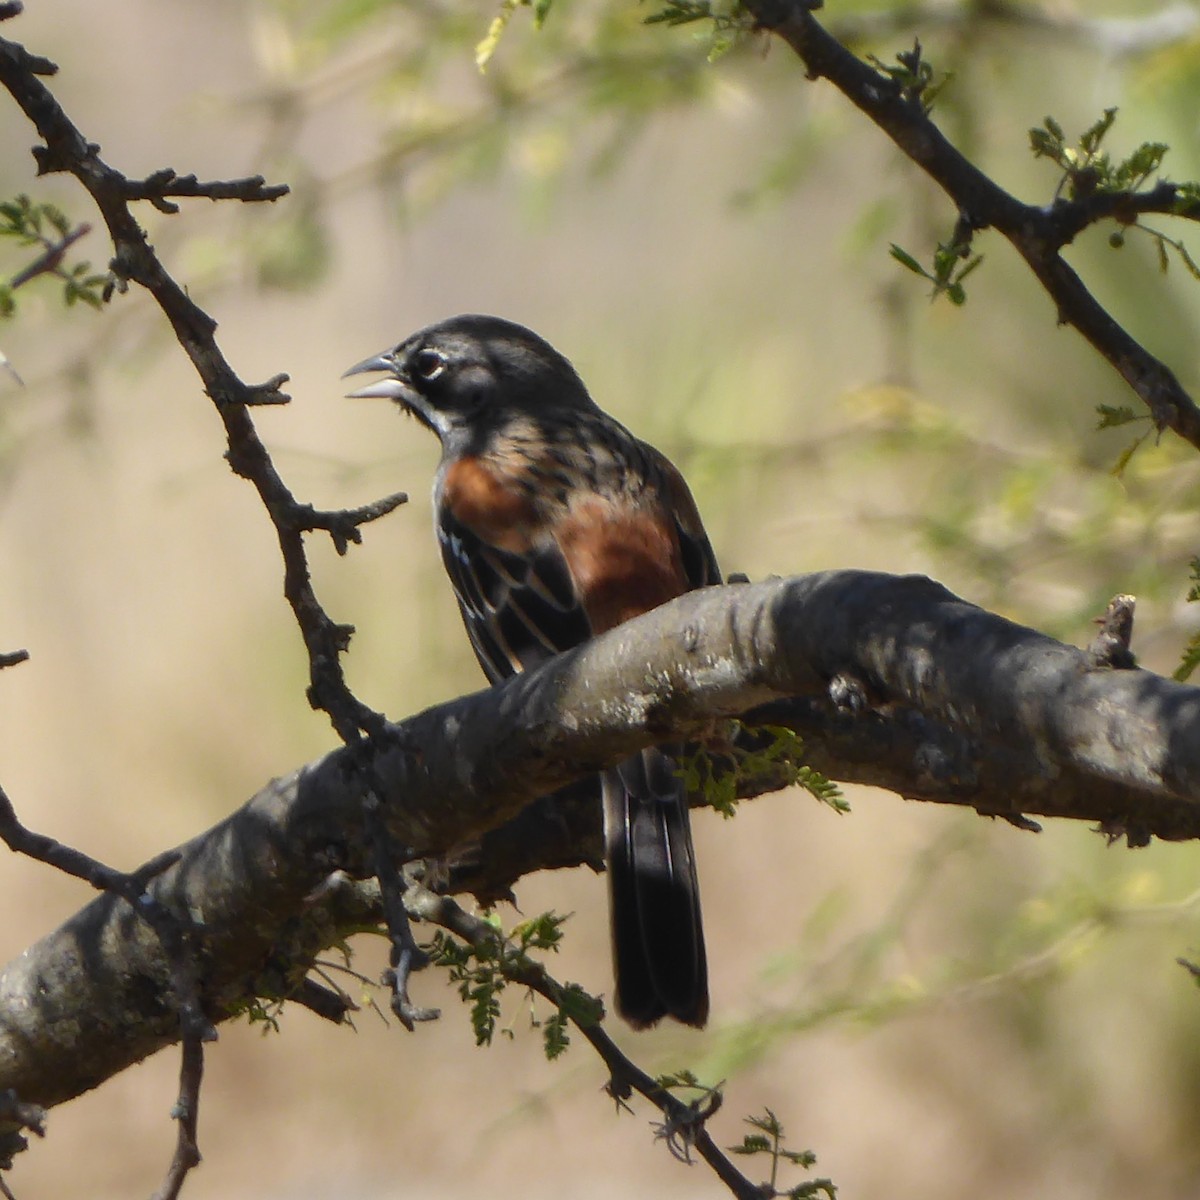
(391, 388)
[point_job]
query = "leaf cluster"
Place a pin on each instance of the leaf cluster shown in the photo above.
(730, 22)
(1190, 659)
(490, 40)
(20, 218)
(1087, 167)
(482, 970)
(914, 75)
(1089, 170)
(775, 755)
(768, 1138)
(46, 226)
(258, 1011)
(952, 263)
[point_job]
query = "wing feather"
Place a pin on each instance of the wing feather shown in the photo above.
(519, 609)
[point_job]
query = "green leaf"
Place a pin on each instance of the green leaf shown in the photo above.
(1187, 259)
(1127, 454)
(801, 1158)
(752, 1143)
(57, 218)
(806, 1191)
(1141, 164)
(768, 1123)
(1111, 416)
(1046, 145)
(903, 256)
(681, 12)
(580, 1006)
(682, 1078)
(487, 45)
(1189, 660)
(554, 1036)
(1091, 138)
(1194, 591)
(974, 262)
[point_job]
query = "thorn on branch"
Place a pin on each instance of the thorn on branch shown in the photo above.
(10, 9)
(12, 657)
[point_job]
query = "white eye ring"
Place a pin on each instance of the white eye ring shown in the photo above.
(428, 364)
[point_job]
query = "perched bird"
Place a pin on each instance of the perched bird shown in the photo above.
(555, 524)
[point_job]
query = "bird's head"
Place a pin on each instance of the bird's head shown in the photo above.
(462, 376)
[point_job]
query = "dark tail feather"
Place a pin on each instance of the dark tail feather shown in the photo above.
(654, 897)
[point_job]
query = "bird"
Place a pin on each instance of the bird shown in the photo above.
(555, 524)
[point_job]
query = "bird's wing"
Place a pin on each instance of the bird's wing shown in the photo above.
(699, 560)
(519, 606)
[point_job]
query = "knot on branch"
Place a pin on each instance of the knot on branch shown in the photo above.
(1109, 649)
(64, 156)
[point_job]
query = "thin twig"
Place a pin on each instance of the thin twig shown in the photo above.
(134, 260)
(187, 1114)
(49, 261)
(157, 186)
(405, 956)
(684, 1124)
(1037, 232)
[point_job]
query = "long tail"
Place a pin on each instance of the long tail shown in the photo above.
(654, 896)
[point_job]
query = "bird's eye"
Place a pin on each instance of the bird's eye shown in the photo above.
(428, 364)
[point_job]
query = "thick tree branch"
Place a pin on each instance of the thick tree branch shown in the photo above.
(974, 709)
(1038, 233)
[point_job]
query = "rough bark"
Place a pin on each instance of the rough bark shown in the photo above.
(939, 700)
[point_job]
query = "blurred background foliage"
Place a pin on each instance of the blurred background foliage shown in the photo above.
(938, 1005)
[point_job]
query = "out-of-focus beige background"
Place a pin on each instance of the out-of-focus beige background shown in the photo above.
(938, 1005)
